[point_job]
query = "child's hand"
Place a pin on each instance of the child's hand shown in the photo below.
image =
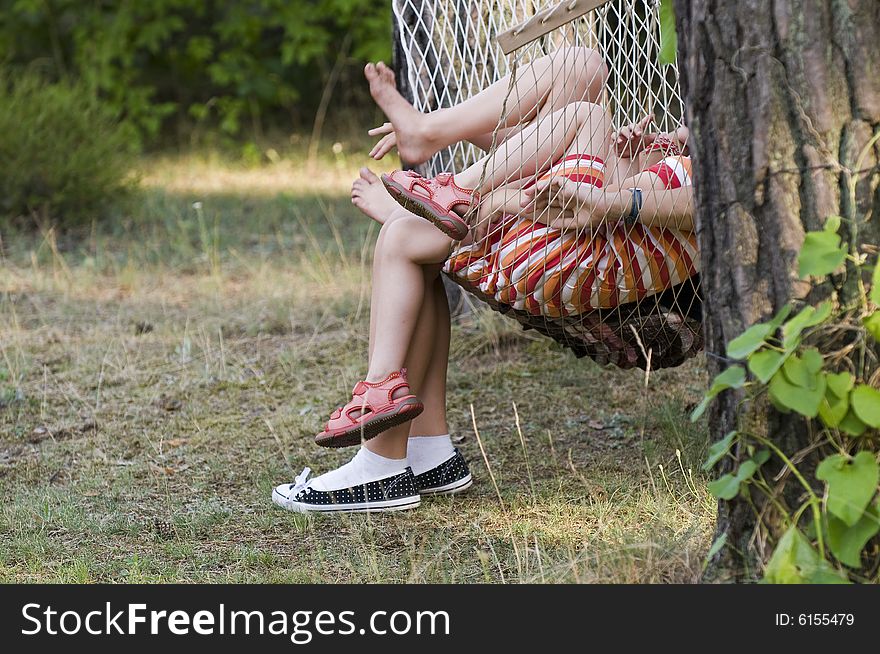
(386, 143)
(564, 204)
(491, 209)
(630, 140)
(542, 194)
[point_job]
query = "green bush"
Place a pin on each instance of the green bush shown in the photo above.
(64, 156)
(178, 63)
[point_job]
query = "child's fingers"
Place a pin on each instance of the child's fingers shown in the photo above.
(381, 129)
(557, 187)
(558, 201)
(530, 194)
(540, 187)
(386, 145)
(563, 221)
(480, 230)
(383, 146)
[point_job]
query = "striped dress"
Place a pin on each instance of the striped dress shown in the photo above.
(552, 273)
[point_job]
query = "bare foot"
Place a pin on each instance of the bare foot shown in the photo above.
(415, 144)
(370, 196)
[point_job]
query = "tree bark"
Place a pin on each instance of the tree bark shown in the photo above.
(782, 97)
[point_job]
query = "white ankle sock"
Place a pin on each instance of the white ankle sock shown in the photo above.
(426, 452)
(363, 468)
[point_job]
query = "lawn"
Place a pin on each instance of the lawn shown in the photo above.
(160, 374)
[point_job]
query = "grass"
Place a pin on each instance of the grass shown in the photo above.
(159, 375)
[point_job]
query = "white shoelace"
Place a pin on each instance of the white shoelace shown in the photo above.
(300, 482)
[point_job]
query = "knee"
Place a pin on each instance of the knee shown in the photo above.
(387, 231)
(587, 112)
(595, 72)
(395, 236)
(584, 67)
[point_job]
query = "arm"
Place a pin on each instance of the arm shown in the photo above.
(671, 208)
(583, 205)
(504, 199)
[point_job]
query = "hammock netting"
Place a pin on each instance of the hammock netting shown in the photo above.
(625, 294)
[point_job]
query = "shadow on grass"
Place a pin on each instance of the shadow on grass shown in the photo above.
(162, 372)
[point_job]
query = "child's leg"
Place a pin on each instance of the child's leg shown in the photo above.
(406, 245)
(432, 390)
(423, 371)
(582, 127)
(550, 82)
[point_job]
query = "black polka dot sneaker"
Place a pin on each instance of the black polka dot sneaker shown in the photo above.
(451, 476)
(394, 493)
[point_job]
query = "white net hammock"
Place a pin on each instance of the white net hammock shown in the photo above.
(619, 292)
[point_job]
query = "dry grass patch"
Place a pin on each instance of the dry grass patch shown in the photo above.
(158, 377)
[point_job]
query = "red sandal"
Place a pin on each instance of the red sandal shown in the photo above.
(380, 411)
(433, 199)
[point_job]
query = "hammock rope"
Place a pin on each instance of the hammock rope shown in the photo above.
(620, 294)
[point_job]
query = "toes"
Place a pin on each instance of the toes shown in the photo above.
(368, 175)
(385, 72)
(370, 72)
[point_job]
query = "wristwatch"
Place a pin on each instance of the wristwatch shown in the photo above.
(635, 208)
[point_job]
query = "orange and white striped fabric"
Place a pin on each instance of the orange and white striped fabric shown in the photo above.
(674, 171)
(548, 272)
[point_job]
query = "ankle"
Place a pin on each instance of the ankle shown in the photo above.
(465, 181)
(374, 376)
(426, 452)
(402, 387)
(428, 127)
(391, 449)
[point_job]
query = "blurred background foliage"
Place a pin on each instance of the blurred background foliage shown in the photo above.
(168, 66)
(88, 77)
(63, 154)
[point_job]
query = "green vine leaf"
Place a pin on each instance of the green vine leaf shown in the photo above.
(808, 317)
(765, 363)
(728, 486)
(794, 561)
(835, 405)
(718, 450)
(668, 35)
(802, 399)
(872, 324)
(750, 340)
(732, 377)
(852, 483)
(780, 317)
(840, 383)
(832, 223)
(821, 254)
(866, 404)
(833, 409)
(852, 424)
(847, 543)
(719, 543)
(805, 370)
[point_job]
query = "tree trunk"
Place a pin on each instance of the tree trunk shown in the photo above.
(782, 97)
